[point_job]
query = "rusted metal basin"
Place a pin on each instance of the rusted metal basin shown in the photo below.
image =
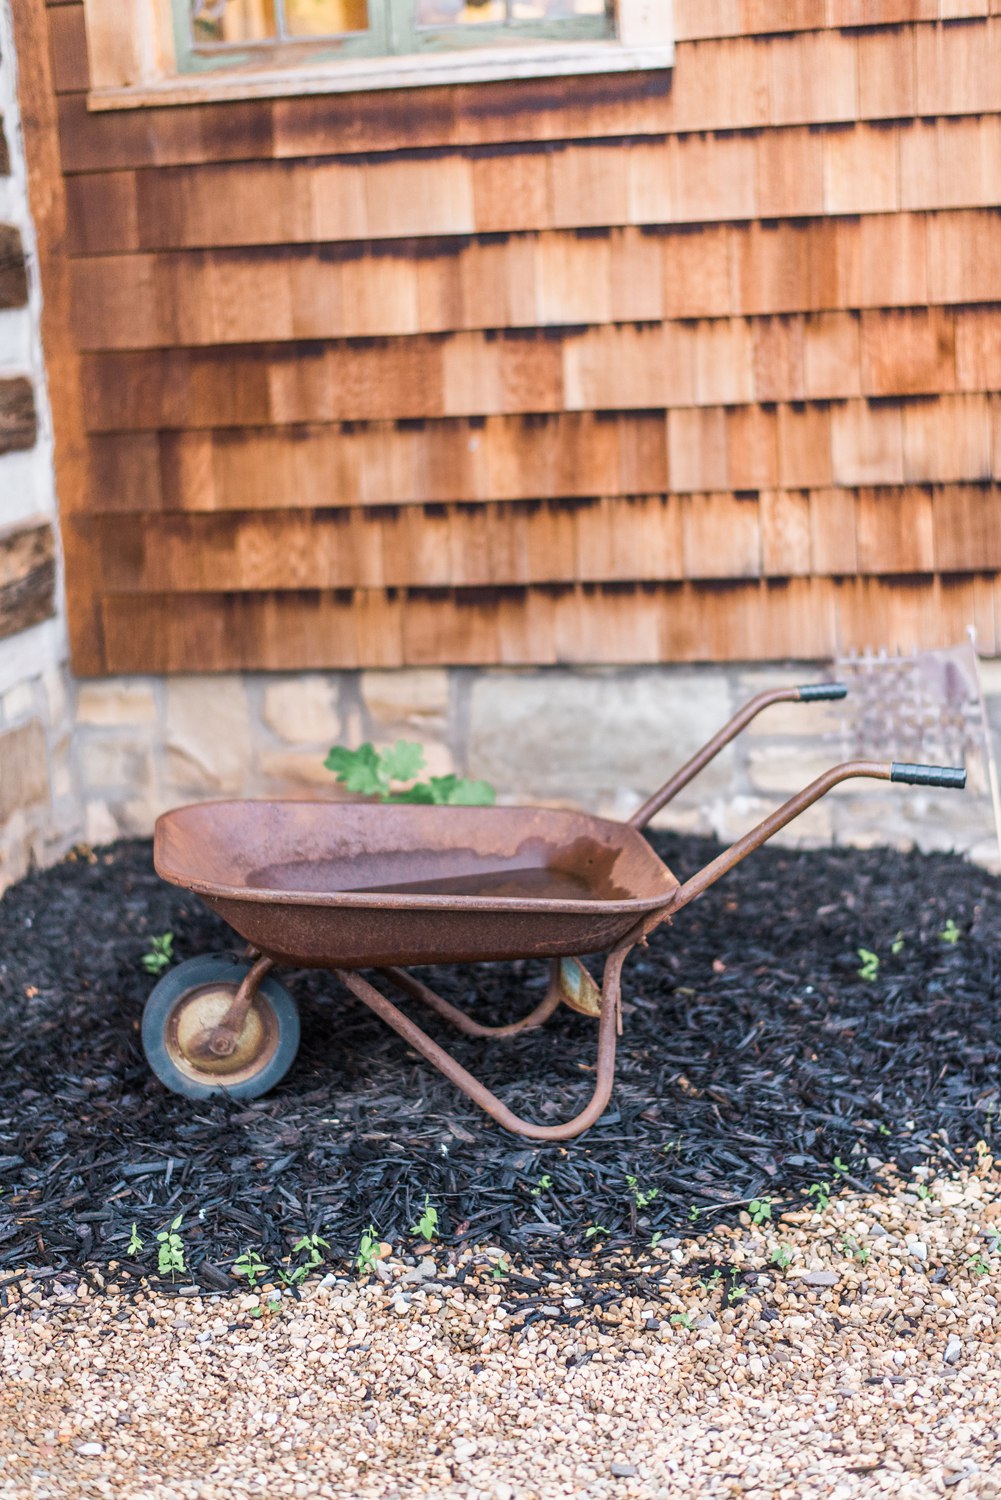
(335, 884)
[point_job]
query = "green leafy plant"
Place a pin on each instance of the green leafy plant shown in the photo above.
(736, 1294)
(543, 1185)
(760, 1210)
(250, 1265)
(950, 932)
(854, 1251)
(694, 1214)
(820, 1192)
(499, 1270)
(682, 1320)
(870, 964)
(781, 1256)
(897, 946)
(427, 1224)
(710, 1283)
(979, 1264)
(160, 955)
(642, 1198)
(922, 1191)
(384, 774)
(656, 1238)
(312, 1246)
(368, 1250)
(170, 1250)
(595, 1229)
(884, 1129)
(135, 1244)
(841, 1167)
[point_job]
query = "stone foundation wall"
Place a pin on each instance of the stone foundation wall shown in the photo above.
(600, 739)
(41, 809)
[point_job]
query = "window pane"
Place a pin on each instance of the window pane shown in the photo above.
(461, 12)
(230, 22)
(325, 17)
(557, 10)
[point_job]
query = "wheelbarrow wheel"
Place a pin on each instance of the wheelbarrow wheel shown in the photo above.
(192, 999)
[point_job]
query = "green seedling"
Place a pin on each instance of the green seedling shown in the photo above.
(543, 1185)
(950, 932)
(736, 1294)
(368, 1250)
(384, 774)
(427, 1224)
(250, 1265)
(499, 1270)
(979, 1264)
(135, 1244)
(781, 1256)
(897, 946)
(820, 1192)
(884, 1129)
(160, 955)
(854, 1251)
(642, 1198)
(312, 1246)
(656, 1238)
(922, 1191)
(841, 1167)
(274, 1304)
(682, 1320)
(760, 1210)
(294, 1276)
(595, 1229)
(694, 1214)
(870, 964)
(170, 1250)
(710, 1283)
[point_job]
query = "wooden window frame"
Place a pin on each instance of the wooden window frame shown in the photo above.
(135, 58)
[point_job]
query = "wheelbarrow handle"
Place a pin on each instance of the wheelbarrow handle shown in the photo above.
(947, 776)
(810, 693)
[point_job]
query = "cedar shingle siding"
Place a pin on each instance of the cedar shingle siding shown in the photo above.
(695, 366)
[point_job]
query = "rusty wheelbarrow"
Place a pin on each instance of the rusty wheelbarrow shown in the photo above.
(353, 886)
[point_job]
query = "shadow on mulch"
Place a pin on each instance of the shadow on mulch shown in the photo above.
(754, 1058)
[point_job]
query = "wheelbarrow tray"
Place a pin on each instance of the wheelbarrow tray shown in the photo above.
(363, 885)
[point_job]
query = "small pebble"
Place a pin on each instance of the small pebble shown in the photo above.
(624, 1471)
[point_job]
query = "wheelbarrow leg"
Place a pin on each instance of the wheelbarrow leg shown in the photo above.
(458, 1018)
(472, 1087)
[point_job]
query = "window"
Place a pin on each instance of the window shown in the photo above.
(173, 51)
(214, 33)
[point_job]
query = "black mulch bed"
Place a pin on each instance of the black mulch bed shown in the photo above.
(755, 1062)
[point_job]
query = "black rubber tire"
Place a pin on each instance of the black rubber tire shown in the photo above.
(192, 975)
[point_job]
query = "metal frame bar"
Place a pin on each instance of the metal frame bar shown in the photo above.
(609, 1027)
(807, 694)
(458, 1018)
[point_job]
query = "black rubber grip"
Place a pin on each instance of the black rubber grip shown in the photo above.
(816, 690)
(952, 776)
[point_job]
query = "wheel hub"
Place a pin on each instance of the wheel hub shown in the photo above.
(189, 1034)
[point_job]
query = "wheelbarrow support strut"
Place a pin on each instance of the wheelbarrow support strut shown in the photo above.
(608, 1030)
(609, 1007)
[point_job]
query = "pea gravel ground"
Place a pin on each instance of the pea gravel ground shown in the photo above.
(868, 1365)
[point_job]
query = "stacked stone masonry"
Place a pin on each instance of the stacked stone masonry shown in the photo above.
(41, 809)
(600, 739)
